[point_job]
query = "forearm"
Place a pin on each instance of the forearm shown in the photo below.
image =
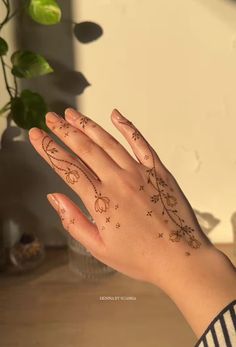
(202, 288)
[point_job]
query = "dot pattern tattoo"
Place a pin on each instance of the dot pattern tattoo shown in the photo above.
(164, 197)
(72, 173)
(83, 121)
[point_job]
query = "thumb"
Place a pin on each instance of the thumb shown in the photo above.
(76, 223)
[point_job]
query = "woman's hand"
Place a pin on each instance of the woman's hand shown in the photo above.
(144, 225)
(142, 218)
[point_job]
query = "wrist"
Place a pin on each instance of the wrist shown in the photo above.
(201, 286)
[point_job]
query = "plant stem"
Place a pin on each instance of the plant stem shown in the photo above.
(8, 9)
(5, 108)
(5, 77)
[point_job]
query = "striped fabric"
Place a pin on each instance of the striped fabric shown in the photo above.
(222, 330)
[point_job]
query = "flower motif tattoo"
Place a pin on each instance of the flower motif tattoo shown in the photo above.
(155, 198)
(136, 135)
(83, 121)
(63, 125)
(170, 200)
(166, 200)
(71, 172)
(101, 203)
(72, 176)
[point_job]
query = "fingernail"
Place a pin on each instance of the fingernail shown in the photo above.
(35, 133)
(71, 114)
(52, 117)
(117, 114)
(53, 201)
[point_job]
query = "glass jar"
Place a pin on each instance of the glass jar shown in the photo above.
(84, 264)
(27, 253)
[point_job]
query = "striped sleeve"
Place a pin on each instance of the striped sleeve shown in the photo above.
(222, 330)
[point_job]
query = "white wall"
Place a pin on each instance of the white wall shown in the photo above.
(170, 66)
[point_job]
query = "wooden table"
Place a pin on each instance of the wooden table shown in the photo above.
(53, 307)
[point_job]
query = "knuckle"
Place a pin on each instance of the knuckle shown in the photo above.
(86, 148)
(113, 145)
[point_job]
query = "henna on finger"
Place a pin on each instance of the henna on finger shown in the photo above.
(163, 194)
(72, 172)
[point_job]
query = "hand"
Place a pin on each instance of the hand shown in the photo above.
(144, 225)
(142, 218)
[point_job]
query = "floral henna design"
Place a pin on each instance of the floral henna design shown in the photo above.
(71, 172)
(168, 203)
(167, 200)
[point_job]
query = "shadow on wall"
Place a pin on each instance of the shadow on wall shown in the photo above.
(27, 178)
(225, 10)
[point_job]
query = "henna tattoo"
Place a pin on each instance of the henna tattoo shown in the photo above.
(101, 203)
(63, 125)
(187, 254)
(108, 219)
(160, 235)
(66, 134)
(116, 206)
(136, 135)
(155, 198)
(83, 121)
(149, 213)
(72, 221)
(71, 172)
(61, 214)
(117, 225)
(141, 187)
(166, 200)
(102, 227)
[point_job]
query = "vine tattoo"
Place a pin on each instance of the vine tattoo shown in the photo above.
(72, 173)
(164, 198)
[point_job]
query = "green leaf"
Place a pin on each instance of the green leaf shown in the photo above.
(27, 64)
(29, 110)
(3, 46)
(46, 12)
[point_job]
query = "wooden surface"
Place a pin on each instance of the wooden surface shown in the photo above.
(52, 306)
